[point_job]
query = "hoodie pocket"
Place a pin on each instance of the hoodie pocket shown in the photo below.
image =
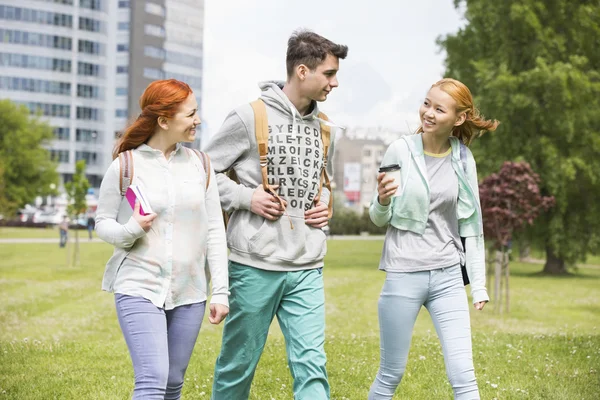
(276, 239)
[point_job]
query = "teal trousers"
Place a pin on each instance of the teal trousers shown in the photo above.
(297, 299)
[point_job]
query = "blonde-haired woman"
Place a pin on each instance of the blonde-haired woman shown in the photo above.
(435, 203)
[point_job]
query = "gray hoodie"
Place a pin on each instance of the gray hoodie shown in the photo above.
(295, 162)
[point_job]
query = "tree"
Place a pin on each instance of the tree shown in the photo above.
(510, 200)
(534, 66)
(76, 192)
(26, 169)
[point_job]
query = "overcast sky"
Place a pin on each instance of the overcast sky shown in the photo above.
(391, 63)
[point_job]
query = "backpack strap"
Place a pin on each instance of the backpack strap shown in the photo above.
(326, 138)
(463, 155)
(261, 130)
(205, 159)
(125, 170)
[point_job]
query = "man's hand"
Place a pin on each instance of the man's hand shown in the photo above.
(218, 312)
(145, 221)
(318, 216)
(479, 305)
(265, 204)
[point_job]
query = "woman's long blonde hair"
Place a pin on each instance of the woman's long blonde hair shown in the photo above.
(475, 124)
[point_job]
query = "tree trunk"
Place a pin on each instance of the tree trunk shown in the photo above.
(76, 251)
(489, 272)
(554, 265)
(67, 251)
(507, 277)
(498, 280)
(524, 250)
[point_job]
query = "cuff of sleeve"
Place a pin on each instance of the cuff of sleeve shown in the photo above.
(220, 299)
(245, 198)
(480, 295)
(134, 227)
(380, 209)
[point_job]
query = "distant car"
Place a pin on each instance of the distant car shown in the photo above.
(48, 217)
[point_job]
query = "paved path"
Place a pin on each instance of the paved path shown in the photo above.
(45, 240)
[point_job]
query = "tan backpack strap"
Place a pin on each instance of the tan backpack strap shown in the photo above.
(326, 138)
(205, 159)
(125, 170)
(261, 130)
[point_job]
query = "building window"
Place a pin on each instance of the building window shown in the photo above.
(61, 156)
(187, 60)
(153, 73)
(121, 113)
(90, 24)
(123, 47)
(48, 110)
(34, 62)
(86, 135)
(35, 39)
(154, 52)
(154, 30)
(121, 91)
(123, 26)
(89, 91)
(122, 69)
(123, 3)
(89, 47)
(88, 69)
(155, 9)
(62, 133)
(367, 152)
(88, 113)
(195, 82)
(89, 157)
(91, 4)
(37, 16)
(34, 85)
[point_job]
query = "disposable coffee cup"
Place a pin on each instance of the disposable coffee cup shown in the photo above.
(393, 170)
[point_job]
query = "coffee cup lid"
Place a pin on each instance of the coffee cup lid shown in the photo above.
(389, 168)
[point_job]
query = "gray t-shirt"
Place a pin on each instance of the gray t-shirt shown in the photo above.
(440, 245)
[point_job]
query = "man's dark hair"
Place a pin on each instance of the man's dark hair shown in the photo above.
(308, 48)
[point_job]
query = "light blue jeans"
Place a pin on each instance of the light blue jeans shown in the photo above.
(160, 344)
(442, 292)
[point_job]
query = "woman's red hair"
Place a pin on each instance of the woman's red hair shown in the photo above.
(160, 99)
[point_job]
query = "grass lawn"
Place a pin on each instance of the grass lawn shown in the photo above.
(60, 337)
(50, 232)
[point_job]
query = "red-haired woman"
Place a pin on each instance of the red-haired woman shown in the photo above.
(157, 270)
(435, 203)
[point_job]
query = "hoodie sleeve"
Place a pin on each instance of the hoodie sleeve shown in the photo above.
(475, 245)
(226, 147)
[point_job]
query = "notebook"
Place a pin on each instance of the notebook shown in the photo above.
(133, 193)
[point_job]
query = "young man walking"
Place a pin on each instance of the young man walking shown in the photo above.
(274, 232)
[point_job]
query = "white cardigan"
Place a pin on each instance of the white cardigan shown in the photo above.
(166, 265)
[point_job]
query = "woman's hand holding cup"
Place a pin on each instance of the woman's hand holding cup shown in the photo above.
(388, 182)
